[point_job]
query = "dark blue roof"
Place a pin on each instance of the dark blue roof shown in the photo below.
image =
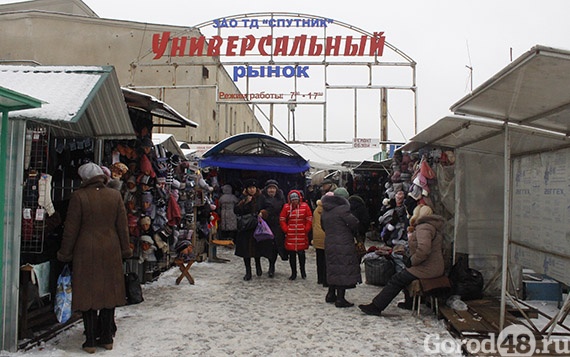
(254, 151)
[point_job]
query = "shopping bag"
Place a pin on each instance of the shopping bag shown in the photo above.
(262, 231)
(62, 307)
(133, 288)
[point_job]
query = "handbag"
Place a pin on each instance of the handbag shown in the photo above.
(62, 306)
(262, 231)
(246, 222)
(360, 249)
(133, 288)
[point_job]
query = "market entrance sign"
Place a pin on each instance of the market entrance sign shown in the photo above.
(300, 63)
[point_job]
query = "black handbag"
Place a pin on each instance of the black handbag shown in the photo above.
(133, 288)
(246, 222)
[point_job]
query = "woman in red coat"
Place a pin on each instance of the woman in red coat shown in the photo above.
(296, 221)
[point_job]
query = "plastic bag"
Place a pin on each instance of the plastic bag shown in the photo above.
(262, 231)
(466, 282)
(62, 306)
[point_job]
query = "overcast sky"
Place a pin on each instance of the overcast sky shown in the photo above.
(443, 37)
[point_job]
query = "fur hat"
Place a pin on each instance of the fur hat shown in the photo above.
(89, 170)
(144, 220)
(147, 239)
(250, 183)
(342, 192)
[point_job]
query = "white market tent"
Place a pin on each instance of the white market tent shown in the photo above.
(512, 164)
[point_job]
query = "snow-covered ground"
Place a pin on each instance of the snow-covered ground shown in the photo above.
(222, 315)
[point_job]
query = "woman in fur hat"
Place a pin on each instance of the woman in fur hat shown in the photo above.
(96, 240)
(425, 261)
(245, 243)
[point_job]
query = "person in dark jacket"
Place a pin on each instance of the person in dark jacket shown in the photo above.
(425, 260)
(245, 243)
(342, 260)
(96, 240)
(296, 220)
(270, 203)
(360, 211)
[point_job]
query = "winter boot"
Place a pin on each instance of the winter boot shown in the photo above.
(340, 300)
(108, 328)
(370, 309)
(302, 260)
(293, 264)
(90, 324)
(258, 270)
(331, 296)
(247, 262)
(271, 272)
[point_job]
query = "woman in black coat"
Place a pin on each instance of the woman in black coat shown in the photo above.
(342, 260)
(245, 243)
(269, 204)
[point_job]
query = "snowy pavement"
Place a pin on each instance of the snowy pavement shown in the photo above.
(222, 315)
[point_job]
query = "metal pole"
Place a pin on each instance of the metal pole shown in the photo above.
(506, 225)
(271, 119)
(355, 113)
(383, 119)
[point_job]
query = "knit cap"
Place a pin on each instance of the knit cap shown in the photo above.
(342, 192)
(89, 170)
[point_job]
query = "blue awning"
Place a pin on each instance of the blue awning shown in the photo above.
(256, 152)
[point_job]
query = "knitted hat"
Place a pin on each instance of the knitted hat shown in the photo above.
(273, 183)
(144, 220)
(147, 239)
(89, 170)
(250, 183)
(181, 245)
(342, 192)
(294, 196)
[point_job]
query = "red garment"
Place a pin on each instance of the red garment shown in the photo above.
(296, 222)
(173, 214)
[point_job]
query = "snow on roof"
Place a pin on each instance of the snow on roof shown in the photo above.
(63, 89)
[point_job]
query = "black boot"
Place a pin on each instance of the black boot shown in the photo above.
(247, 262)
(271, 272)
(258, 270)
(90, 324)
(340, 300)
(293, 264)
(108, 328)
(331, 295)
(302, 260)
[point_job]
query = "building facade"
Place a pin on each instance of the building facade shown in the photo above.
(68, 32)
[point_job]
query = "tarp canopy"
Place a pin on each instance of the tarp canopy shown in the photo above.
(168, 141)
(256, 152)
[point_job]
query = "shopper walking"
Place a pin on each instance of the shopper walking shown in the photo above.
(245, 243)
(270, 203)
(96, 240)
(296, 221)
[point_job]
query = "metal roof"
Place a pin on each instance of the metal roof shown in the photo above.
(79, 100)
(533, 90)
(156, 107)
(485, 136)
(168, 141)
(11, 100)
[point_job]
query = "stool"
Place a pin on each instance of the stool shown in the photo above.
(184, 268)
(432, 288)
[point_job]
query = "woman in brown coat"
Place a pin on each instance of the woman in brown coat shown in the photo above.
(96, 240)
(425, 260)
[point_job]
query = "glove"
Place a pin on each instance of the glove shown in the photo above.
(407, 261)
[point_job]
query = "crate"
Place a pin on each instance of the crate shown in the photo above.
(544, 290)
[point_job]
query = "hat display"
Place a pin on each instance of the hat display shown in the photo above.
(342, 192)
(181, 245)
(89, 170)
(147, 239)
